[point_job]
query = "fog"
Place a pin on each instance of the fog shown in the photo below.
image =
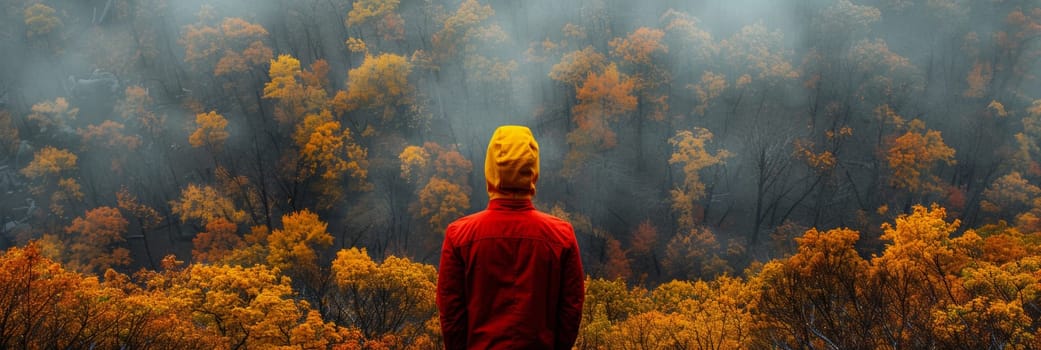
(811, 100)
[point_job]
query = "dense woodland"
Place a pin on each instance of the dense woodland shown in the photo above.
(792, 174)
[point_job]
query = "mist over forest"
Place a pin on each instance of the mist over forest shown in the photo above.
(711, 143)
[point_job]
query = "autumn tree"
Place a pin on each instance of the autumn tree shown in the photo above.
(250, 307)
(51, 170)
(109, 138)
(912, 155)
(440, 176)
(220, 238)
(135, 109)
(603, 99)
(231, 55)
(96, 241)
(43, 27)
(617, 265)
(389, 24)
(8, 134)
(146, 218)
(1009, 194)
(395, 297)
(233, 47)
(210, 132)
(294, 249)
(205, 204)
(690, 151)
(575, 66)
(297, 91)
(639, 50)
(53, 116)
(693, 254)
(919, 267)
(380, 85)
(325, 153)
(816, 297)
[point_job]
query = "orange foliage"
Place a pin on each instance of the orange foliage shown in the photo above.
(644, 238)
(693, 254)
(56, 114)
(241, 42)
(912, 155)
(603, 99)
(219, 239)
(95, 240)
(711, 87)
(443, 173)
(978, 79)
(617, 265)
(639, 46)
(109, 134)
(50, 162)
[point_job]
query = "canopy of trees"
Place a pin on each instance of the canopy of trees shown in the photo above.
(740, 174)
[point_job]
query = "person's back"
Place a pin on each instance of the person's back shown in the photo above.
(510, 276)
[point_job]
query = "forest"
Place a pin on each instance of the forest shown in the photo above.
(747, 174)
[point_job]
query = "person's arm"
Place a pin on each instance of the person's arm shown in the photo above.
(571, 297)
(451, 296)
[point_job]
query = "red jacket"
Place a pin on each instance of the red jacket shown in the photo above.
(510, 278)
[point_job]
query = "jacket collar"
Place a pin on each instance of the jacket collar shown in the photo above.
(510, 204)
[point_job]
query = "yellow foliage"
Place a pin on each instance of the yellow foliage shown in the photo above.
(691, 152)
(50, 162)
(414, 160)
(403, 289)
(251, 307)
(356, 45)
(997, 108)
(205, 203)
(295, 246)
(711, 86)
(442, 201)
(363, 10)
(40, 20)
(56, 114)
(210, 131)
(380, 81)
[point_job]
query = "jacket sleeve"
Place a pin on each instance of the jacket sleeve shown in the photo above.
(572, 296)
(451, 296)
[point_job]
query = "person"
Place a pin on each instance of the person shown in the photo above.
(510, 276)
